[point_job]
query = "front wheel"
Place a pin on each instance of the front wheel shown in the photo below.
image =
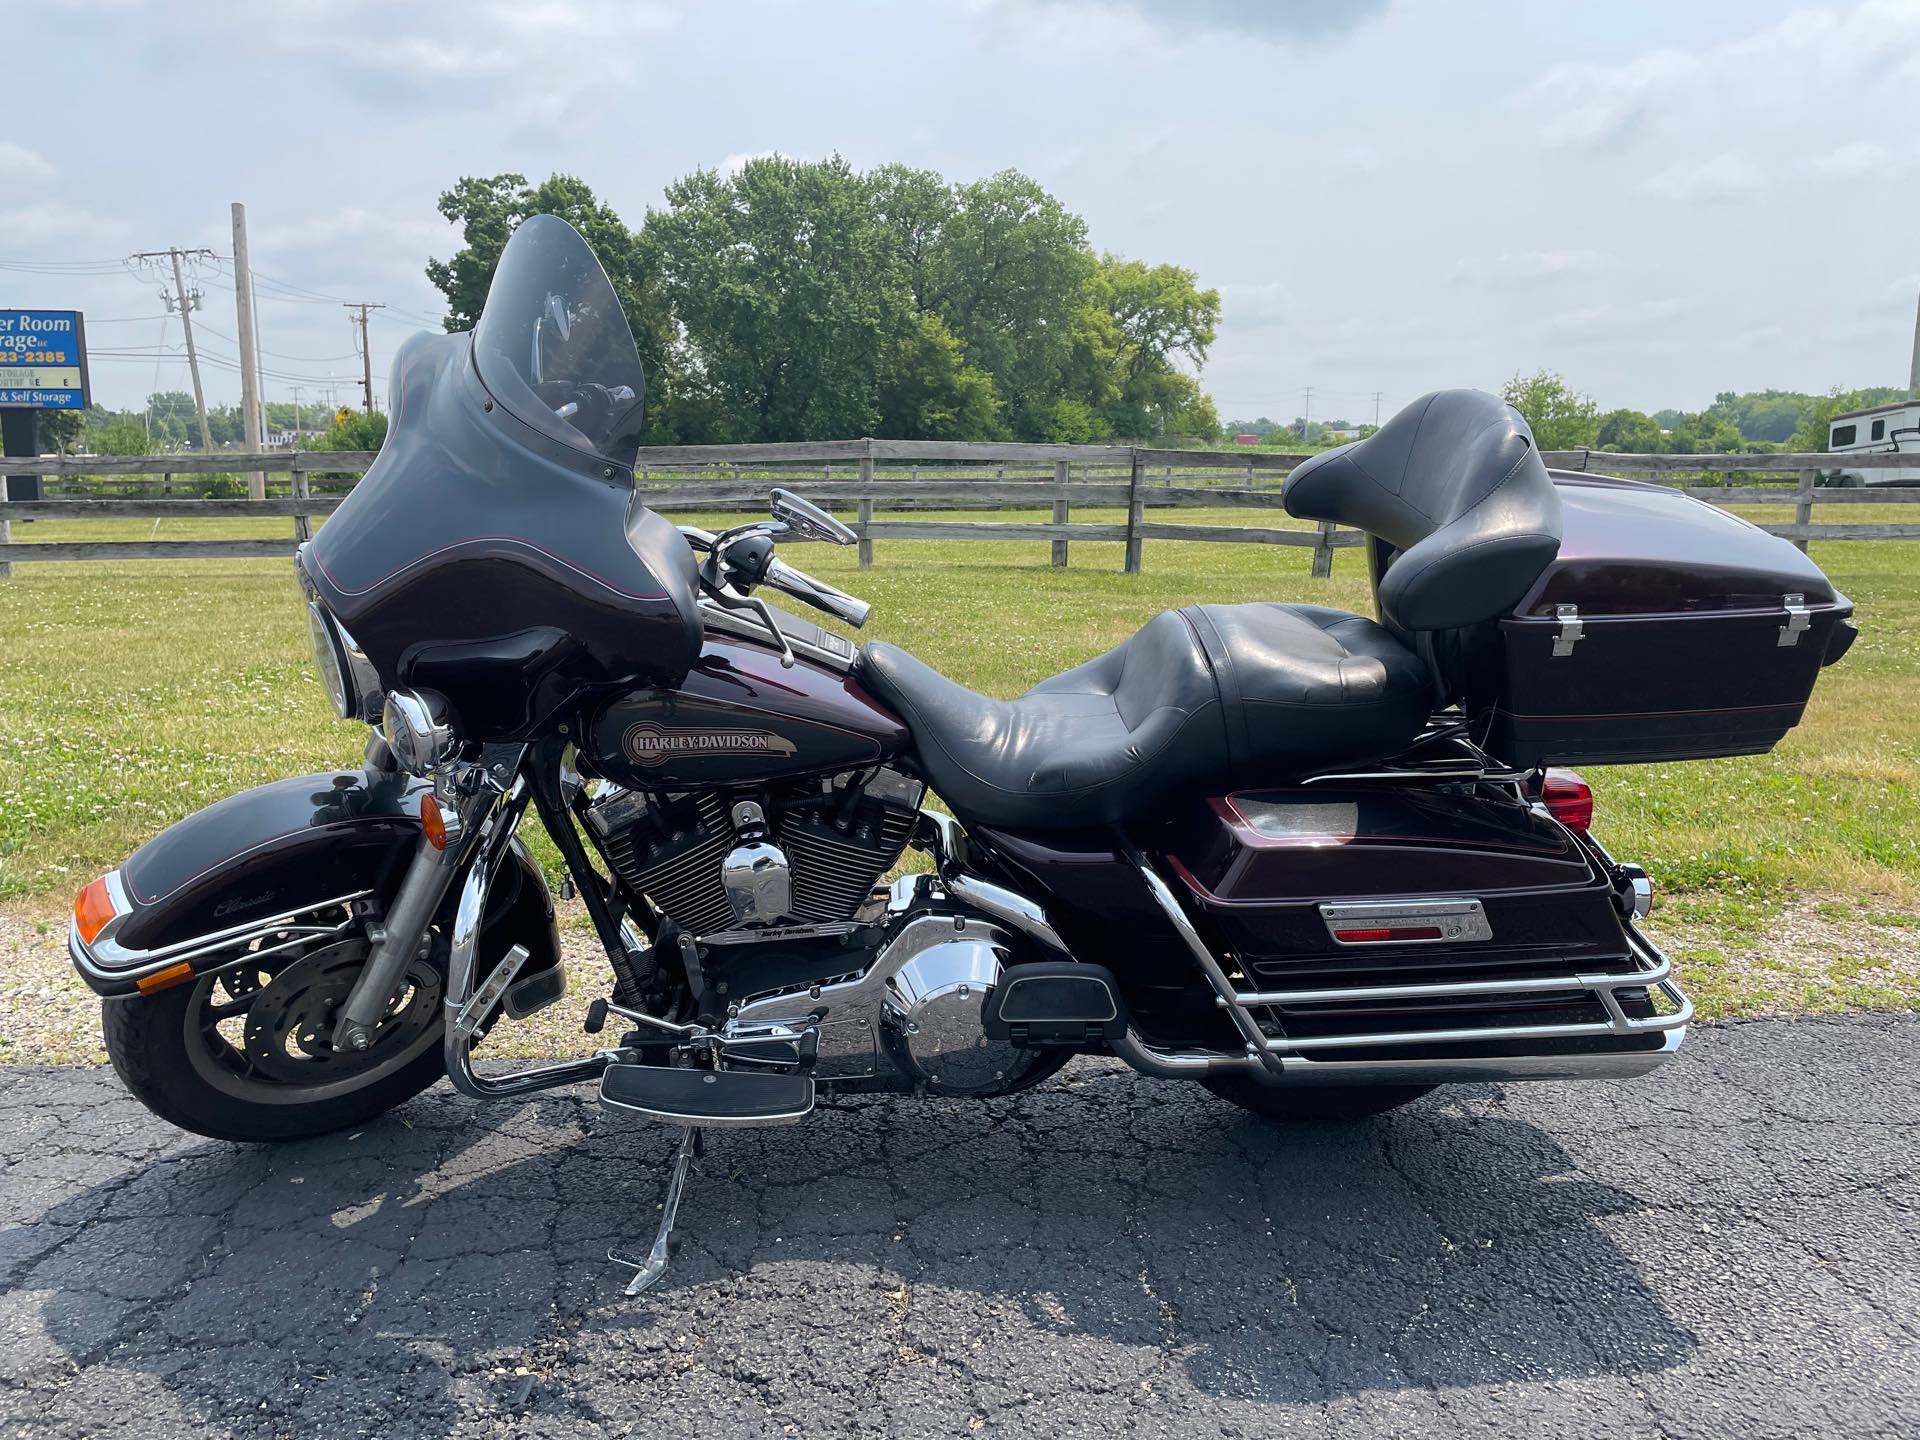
(1313, 1102)
(248, 1055)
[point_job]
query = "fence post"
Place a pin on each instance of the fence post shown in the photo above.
(1803, 509)
(302, 525)
(865, 527)
(1136, 511)
(1061, 470)
(1323, 552)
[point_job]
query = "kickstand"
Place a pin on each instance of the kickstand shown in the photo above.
(655, 1265)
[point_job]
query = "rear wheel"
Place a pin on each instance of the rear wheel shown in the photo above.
(1313, 1102)
(248, 1054)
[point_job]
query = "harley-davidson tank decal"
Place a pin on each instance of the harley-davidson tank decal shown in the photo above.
(650, 745)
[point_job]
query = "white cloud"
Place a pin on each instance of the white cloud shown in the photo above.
(734, 164)
(1255, 306)
(1634, 321)
(1590, 102)
(350, 226)
(21, 163)
(1157, 21)
(1851, 162)
(1726, 176)
(1532, 265)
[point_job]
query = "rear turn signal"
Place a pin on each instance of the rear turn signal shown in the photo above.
(1569, 799)
(92, 909)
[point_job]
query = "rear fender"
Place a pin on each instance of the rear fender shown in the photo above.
(307, 852)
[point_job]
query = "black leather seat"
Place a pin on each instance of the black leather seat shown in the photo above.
(1208, 696)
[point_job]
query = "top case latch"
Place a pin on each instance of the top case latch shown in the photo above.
(1798, 619)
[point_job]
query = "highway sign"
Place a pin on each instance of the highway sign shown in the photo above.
(43, 359)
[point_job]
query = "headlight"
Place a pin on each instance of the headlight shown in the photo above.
(352, 683)
(330, 659)
(417, 730)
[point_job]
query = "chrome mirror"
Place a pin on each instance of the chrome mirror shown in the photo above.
(807, 521)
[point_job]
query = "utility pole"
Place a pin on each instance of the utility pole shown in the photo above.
(366, 352)
(1376, 409)
(186, 328)
(249, 360)
(1306, 419)
(296, 416)
(1913, 375)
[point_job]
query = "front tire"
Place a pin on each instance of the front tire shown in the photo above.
(272, 1075)
(1310, 1103)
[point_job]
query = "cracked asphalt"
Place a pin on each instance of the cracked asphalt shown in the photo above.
(1727, 1248)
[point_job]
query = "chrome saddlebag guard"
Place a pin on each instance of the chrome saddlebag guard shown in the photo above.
(1524, 960)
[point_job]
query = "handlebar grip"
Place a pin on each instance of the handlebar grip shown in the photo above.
(817, 593)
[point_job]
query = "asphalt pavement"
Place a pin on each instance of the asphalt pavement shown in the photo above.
(1730, 1247)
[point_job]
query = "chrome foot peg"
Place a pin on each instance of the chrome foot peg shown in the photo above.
(647, 1271)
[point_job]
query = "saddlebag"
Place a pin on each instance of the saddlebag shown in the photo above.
(1666, 629)
(1426, 925)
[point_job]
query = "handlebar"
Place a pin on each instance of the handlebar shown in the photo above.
(790, 580)
(817, 593)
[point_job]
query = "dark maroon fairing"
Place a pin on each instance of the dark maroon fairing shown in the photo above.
(740, 719)
(472, 530)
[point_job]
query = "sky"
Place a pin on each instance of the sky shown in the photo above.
(1658, 200)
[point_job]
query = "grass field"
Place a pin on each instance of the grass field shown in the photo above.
(131, 695)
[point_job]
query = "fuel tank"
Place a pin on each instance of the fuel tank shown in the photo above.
(740, 718)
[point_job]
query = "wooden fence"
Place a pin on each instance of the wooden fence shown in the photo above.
(874, 477)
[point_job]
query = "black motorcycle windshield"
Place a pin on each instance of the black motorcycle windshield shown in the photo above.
(553, 346)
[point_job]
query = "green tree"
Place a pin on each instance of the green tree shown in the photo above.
(928, 391)
(1815, 422)
(1703, 434)
(1629, 432)
(60, 428)
(361, 430)
(1135, 324)
(124, 436)
(1560, 416)
(789, 292)
(1010, 276)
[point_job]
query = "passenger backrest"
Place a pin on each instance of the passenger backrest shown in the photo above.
(1455, 485)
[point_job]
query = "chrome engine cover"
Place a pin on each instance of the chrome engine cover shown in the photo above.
(932, 1021)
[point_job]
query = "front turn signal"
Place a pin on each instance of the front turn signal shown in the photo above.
(92, 909)
(433, 819)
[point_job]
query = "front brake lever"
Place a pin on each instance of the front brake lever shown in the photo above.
(732, 599)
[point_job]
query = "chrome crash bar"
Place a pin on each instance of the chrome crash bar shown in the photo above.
(1271, 1054)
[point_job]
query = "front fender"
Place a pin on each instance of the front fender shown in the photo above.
(295, 854)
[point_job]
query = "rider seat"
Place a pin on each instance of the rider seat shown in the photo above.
(1208, 696)
(1462, 518)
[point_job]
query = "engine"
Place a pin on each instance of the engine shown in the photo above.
(803, 853)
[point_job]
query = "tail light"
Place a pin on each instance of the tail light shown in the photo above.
(1569, 799)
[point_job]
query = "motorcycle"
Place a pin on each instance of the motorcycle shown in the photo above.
(1314, 862)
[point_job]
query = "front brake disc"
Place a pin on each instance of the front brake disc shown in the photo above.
(289, 1028)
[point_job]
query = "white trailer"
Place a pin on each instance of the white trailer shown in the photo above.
(1880, 429)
